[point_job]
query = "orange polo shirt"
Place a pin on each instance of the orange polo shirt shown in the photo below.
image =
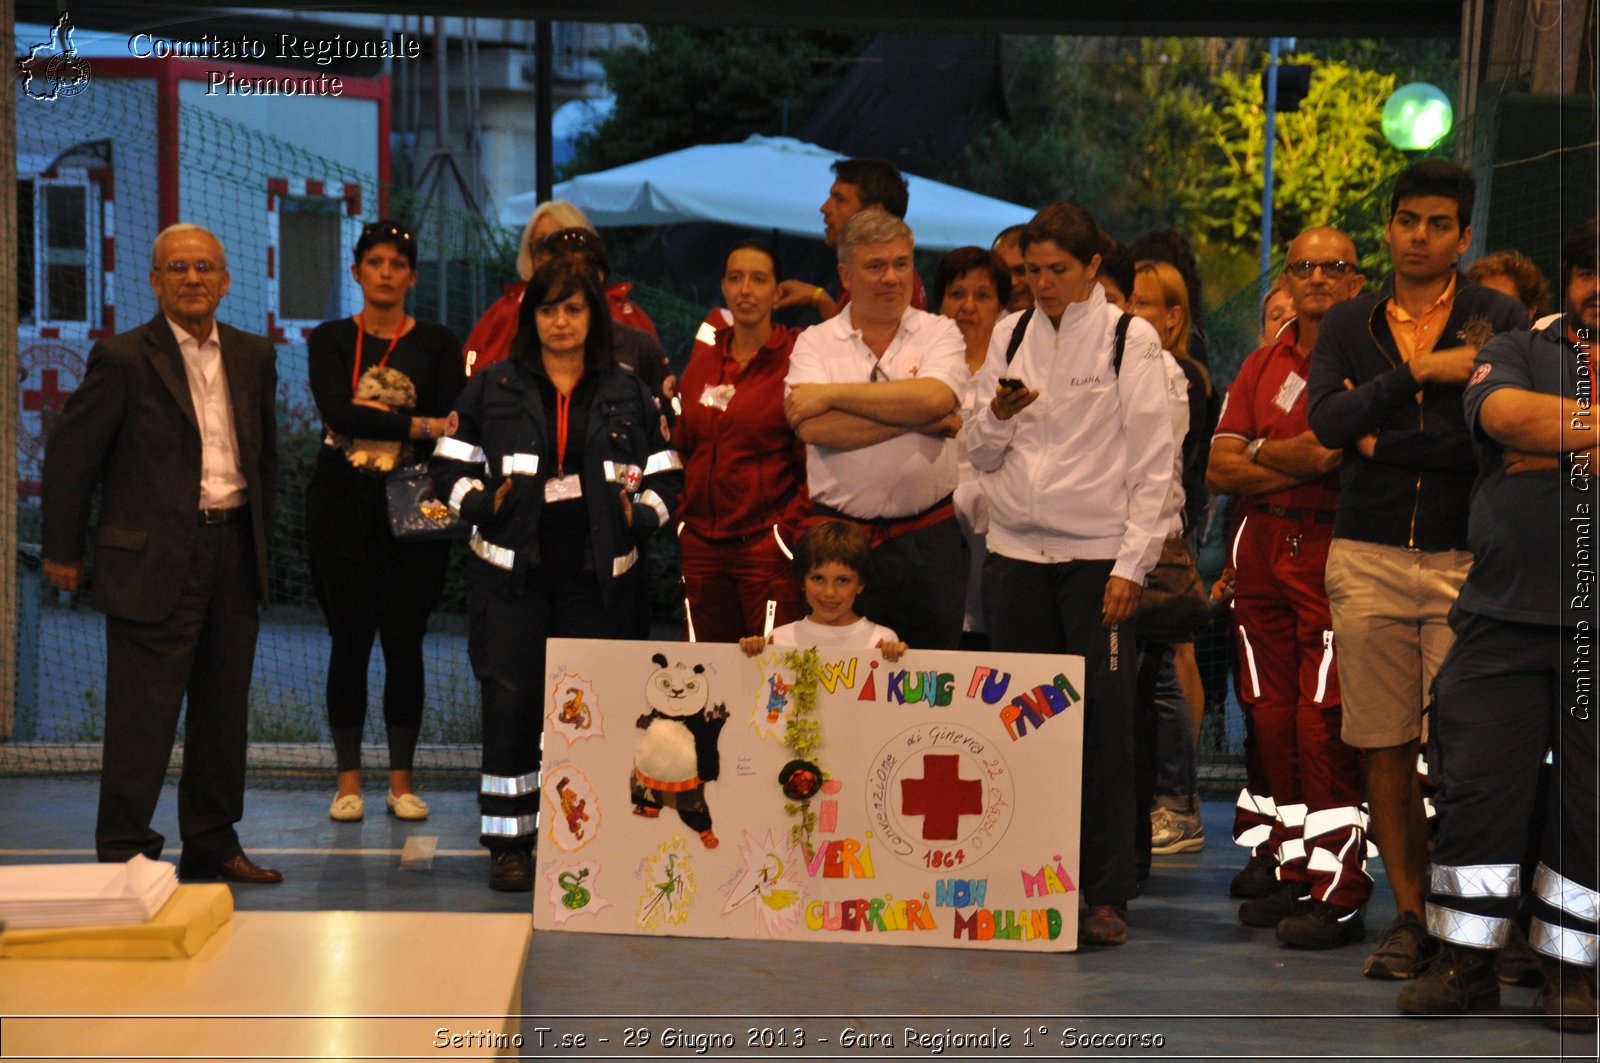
(1417, 335)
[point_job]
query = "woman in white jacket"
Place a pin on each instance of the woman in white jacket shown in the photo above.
(1076, 456)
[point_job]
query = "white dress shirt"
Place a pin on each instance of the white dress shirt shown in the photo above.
(222, 484)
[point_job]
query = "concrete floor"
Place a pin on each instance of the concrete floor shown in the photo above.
(1191, 974)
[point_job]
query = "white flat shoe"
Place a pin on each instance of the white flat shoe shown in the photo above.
(407, 806)
(347, 808)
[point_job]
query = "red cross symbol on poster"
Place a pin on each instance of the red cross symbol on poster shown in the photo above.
(941, 797)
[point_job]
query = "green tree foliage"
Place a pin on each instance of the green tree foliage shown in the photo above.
(1330, 154)
(696, 85)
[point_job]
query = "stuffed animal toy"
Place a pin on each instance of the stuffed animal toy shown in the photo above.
(381, 384)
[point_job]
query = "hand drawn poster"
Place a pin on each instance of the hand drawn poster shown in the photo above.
(937, 804)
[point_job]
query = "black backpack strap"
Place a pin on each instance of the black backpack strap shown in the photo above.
(1122, 341)
(1016, 334)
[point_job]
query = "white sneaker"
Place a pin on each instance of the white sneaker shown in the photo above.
(1178, 832)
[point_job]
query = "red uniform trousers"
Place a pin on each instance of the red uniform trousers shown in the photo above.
(1289, 688)
(729, 583)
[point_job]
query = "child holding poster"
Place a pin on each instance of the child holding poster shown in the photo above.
(831, 561)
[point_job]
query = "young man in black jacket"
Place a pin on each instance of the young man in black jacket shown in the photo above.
(1385, 386)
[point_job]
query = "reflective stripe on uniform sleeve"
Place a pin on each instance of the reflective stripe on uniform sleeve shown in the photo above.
(662, 461)
(653, 500)
(464, 487)
(1576, 947)
(1478, 880)
(498, 556)
(1558, 891)
(519, 464)
(508, 826)
(622, 564)
(509, 785)
(458, 450)
(1464, 928)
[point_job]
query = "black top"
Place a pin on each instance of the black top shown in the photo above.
(346, 508)
(1413, 491)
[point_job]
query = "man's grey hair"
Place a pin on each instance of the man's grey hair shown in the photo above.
(185, 227)
(871, 226)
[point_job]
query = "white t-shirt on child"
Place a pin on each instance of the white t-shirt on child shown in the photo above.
(861, 635)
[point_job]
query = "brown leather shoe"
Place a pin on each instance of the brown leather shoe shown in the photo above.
(237, 868)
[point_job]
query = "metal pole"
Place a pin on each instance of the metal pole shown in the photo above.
(1266, 167)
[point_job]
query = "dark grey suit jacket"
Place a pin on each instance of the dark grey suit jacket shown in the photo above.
(131, 428)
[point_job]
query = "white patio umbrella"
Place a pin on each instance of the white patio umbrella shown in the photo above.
(762, 183)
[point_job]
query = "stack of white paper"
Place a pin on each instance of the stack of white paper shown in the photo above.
(34, 896)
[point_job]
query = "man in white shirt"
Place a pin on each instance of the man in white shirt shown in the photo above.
(873, 394)
(175, 422)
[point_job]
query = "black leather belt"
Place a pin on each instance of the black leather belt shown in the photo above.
(1319, 516)
(223, 516)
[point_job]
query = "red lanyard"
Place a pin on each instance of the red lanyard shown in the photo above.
(361, 331)
(563, 418)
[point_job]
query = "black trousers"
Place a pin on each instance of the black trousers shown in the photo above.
(386, 595)
(1504, 696)
(918, 586)
(506, 642)
(204, 651)
(1055, 608)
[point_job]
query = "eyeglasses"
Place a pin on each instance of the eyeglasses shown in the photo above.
(179, 268)
(1334, 268)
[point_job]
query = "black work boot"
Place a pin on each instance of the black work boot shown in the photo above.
(1256, 878)
(1322, 926)
(510, 871)
(1279, 903)
(1455, 981)
(1568, 997)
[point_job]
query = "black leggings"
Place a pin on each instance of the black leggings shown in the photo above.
(388, 594)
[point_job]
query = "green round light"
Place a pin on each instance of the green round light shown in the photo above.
(1416, 116)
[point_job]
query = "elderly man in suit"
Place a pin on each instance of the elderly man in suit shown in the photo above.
(174, 423)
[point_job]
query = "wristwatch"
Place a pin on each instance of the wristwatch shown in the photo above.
(1254, 448)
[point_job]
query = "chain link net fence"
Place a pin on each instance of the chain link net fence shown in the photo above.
(89, 196)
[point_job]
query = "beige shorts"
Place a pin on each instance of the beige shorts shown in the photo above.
(1389, 607)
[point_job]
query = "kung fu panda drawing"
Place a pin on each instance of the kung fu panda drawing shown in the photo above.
(677, 755)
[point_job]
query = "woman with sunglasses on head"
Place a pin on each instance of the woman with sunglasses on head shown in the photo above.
(490, 339)
(559, 462)
(369, 584)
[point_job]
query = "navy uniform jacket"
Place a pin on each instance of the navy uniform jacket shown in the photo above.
(503, 432)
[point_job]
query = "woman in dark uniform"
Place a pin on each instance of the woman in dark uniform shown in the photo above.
(560, 462)
(369, 584)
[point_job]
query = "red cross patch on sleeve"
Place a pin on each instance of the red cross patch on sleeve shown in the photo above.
(1479, 373)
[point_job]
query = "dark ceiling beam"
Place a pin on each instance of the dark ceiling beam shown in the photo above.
(1183, 18)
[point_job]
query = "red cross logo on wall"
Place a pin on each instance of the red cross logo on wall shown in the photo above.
(941, 796)
(47, 399)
